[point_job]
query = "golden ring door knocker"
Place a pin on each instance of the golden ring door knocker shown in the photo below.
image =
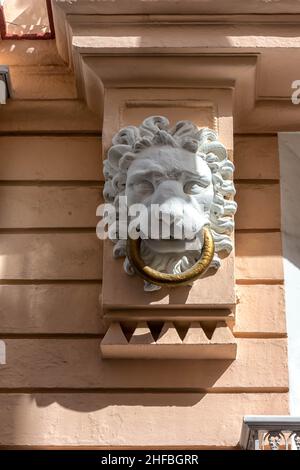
(171, 280)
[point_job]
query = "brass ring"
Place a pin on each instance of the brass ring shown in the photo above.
(171, 280)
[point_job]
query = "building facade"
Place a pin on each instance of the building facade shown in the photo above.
(78, 334)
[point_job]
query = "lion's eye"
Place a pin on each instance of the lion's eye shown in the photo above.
(194, 187)
(143, 187)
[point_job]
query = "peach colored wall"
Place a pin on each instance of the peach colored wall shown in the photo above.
(55, 388)
(50, 284)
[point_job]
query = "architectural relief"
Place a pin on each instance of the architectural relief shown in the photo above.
(181, 179)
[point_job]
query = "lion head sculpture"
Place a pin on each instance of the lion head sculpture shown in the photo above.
(186, 173)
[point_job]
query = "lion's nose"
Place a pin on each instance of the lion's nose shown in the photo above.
(167, 190)
(173, 208)
(170, 197)
(178, 221)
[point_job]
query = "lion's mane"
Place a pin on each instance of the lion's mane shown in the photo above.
(156, 131)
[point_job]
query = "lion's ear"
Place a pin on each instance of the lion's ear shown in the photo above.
(126, 161)
(115, 154)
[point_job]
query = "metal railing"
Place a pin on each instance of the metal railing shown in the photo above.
(270, 433)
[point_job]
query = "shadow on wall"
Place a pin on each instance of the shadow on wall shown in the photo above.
(289, 144)
(70, 371)
(124, 417)
(96, 401)
(131, 419)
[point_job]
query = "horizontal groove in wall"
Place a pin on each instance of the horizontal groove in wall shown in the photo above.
(36, 282)
(50, 133)
(87, 133)
(36, 230)
(259, 335)
(241, 335)
(52, 183)
(241, 282)
(93, 229)
(257, 230)
(51, 336)
(217, 390)
(263, 134)
(254, 134)
(59, 336)
(256, 181)
(245, 282)
(100, 182)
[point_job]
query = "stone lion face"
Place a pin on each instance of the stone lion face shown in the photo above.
(180, 184)
(185, 172)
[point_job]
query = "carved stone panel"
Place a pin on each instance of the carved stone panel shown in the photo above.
(206, 108)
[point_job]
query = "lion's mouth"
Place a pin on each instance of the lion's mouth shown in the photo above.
(173, 245)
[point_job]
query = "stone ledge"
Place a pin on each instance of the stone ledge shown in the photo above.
(169, 345)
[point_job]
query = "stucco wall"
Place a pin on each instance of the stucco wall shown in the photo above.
(55, 388)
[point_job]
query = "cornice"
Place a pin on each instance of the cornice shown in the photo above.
(192, 7)
(256, 54)
(245, 18)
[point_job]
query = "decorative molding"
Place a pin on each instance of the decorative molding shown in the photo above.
(174, 315)
(174, 7)
(230, 46)
(195, 344)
